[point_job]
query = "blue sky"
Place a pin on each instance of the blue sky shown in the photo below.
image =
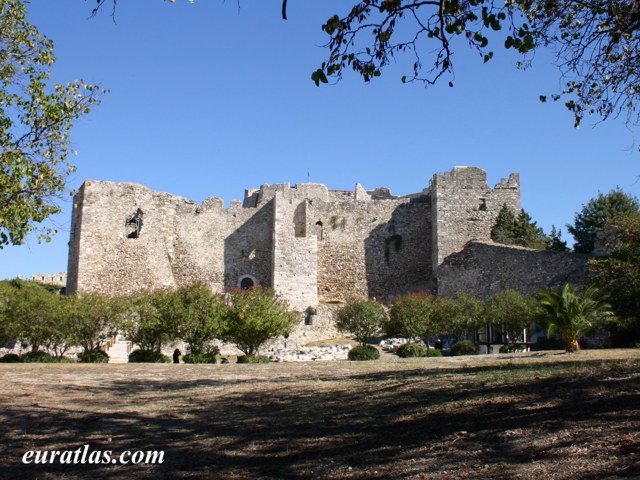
(207, 100)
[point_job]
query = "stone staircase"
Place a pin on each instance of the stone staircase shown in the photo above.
(119, 350)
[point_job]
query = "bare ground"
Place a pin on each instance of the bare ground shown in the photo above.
(531, 416)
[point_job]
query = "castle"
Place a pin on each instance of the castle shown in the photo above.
(310, 244)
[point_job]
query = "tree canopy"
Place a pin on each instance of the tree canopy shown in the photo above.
(512, 229)
(35, 122)
(572, 312)
(618, 274)
(594, 216)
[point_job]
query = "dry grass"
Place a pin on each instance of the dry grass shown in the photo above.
(530, 416)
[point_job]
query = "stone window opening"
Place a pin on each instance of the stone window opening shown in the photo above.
(309, 315)
(483, 205)
(134, 224)
(246, 282)
(319, 230)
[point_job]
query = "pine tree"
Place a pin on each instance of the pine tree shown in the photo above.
(521, 230)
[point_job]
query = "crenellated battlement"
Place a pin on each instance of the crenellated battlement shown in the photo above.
(307, 241)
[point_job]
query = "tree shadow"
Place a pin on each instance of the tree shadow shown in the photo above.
(447, 423)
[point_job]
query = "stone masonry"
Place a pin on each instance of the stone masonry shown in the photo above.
(310, 244)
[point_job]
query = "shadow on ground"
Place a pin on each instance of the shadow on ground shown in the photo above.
(569, 420)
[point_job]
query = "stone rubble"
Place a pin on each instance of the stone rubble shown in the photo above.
(391, 345)
(306, 354)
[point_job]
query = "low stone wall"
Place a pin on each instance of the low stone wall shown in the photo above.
(486, 268)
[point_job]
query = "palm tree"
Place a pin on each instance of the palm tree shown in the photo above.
(570, 312)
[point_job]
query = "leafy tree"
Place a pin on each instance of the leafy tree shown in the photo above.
(150, 319)
(38, 317)
(593, 217)
(35, 121)
(571, 313)
(363, 319)
(200, 316)
(618, 274)
(93, 319)
(521, 230)
(594, 43)
(511, 313)
(466, 314)
(254, 317)
(411, 316)
(7, 330)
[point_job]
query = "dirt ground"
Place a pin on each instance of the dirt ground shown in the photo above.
(544, 415)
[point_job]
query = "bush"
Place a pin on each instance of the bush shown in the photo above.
(10, 358)
(38, 356)
(204, 357)
(94, 355)
(464, 347)
(363, 319)
(366, 352)
(412, 350)
(409, 350)
(255, 316)
(252, 359)
(148, 356)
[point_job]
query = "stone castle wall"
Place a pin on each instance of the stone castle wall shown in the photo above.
(180, 242)
(311, 244)
(486, 268)
(371, 248)
(465, 208)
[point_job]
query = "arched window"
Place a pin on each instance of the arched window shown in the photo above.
(319, 230)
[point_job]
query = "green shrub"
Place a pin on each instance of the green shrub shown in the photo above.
(412, 350)
(148, 356)
(208, 357)
(255, 316)
(366, 352)
(38, 356)
(464, 347)
(252, 359)
(409, 350)
(363, 319)
(10, 358)
(94, 355)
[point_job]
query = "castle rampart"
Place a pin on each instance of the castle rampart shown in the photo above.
(311, 244)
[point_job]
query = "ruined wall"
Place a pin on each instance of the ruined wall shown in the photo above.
(295, 265)
(465, 208)
(179, 242)
(74, 241)
(309, 243)
(57, 279)
(485, 268)
(369, 247)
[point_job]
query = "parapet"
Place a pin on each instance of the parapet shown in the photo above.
(461, 177)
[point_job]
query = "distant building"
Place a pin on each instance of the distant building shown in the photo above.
(57, 279)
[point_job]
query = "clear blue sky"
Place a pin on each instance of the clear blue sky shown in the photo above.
(207, 100)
